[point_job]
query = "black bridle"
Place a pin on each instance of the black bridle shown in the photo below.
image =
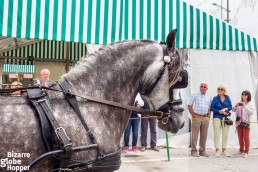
(170, 105)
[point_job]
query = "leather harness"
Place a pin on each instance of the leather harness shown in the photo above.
(48, 123)
(62, 162)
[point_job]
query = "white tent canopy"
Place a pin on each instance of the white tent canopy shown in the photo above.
(237, 71)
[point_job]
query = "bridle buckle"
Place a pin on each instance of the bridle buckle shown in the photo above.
(164, 120)
(161, 114)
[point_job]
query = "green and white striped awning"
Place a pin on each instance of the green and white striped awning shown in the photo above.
(105, 21)
(14, 68)
(54, 50)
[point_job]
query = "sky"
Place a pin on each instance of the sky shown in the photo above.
(243, 13)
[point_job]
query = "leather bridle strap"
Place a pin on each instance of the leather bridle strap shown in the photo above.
(74, 104)
(149, 90)
(102, 101)
(161, 72)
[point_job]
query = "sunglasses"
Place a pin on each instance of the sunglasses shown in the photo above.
(203, 87)
(244, 94)
(220, 89)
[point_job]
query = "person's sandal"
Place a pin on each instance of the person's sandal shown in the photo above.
(204, 154)
(143, 148)
(155, 148)
(194, 154)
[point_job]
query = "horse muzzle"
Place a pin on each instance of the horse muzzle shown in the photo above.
(172, 106)
(174, 121)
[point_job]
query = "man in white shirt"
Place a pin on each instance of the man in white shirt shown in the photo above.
(199, 107)
(44, 79)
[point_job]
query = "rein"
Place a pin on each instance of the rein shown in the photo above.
(158, 114)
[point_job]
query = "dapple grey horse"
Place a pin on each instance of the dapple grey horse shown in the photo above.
(115, 72)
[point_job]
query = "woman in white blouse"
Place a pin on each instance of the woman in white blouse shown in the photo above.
(244, 110)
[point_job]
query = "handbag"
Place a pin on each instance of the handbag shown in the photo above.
(244, 124)
(228, 121)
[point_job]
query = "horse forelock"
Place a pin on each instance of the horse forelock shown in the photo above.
(174, 68)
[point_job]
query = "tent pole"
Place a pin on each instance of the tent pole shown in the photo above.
(221, 9)
(1, 74)
(67, 60)
(227, 11)
(168, 152)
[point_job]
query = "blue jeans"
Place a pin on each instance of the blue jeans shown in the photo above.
(134, 124)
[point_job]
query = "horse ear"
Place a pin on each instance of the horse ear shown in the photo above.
(170, 41)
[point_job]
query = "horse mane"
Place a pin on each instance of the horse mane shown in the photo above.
(115, 49)
(103, 53)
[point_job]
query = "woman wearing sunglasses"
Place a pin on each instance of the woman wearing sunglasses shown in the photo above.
(244, 110)
(220, 106)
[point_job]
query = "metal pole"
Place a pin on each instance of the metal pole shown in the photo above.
(168, 152)
(227, 11)
(67, 47)
(221, 9)
(1, 74)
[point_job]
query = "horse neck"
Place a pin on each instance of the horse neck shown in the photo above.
(113, 74)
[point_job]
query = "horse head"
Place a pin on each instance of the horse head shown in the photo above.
(160, 89)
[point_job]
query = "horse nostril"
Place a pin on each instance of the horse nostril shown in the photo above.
(182, 125)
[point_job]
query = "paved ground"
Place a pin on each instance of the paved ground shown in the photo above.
(181, 161)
